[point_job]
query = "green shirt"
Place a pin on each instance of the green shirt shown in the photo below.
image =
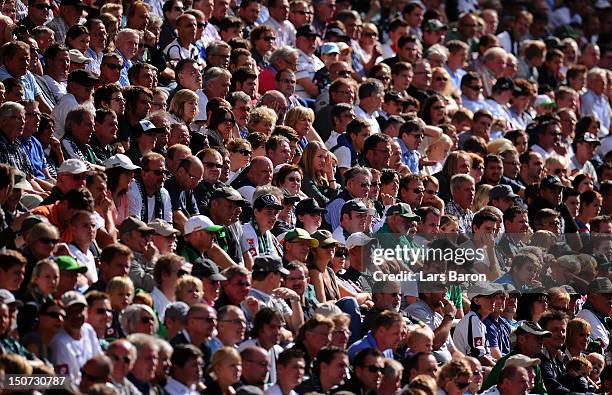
(494, 375)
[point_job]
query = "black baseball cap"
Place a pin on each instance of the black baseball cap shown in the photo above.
(551, 182)
(587, 138)
(269, 264)
(306, 31)
(82, 77)
(206, 268)
(267, 200)
(308, 206)
(503, 84)
(228, 193)
(353, 205)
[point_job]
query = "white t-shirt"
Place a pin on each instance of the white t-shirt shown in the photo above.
(470, 336)
(135, 203)
(160, 302)
(68, 355)
(598, 330)
(250, 242)
(86, 259)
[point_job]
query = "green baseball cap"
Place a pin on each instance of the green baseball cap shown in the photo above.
(70, 264)
(300, 234)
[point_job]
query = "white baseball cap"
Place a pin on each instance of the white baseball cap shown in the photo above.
(201, 222)
(120, 160)
(73, 166)
(358, 239)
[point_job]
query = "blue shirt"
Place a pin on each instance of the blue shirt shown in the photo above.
(123, 77)
(592, 104)
(35, 152)
(409, 158)
(498, 334)
(368, 341)
(30, 88)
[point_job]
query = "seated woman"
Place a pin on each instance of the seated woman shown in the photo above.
(225, 371)
(319, 181)
(51, 315)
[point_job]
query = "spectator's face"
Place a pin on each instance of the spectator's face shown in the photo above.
(335, 371)
(122, 360)
(146, 364)
(159, 104)
(100, 314)
(262, 173)
(308, 44)
(38, 11)
(301, 15)
(431, 224)
(297, 249)
(187, 29)
(233, 326)
(110, 69)
(218, 87)
(145, 324)
(493, 171)
(370, 374)
(520, 224)
(297, 281)
(128, 45)
(59, 65)
(413, 193)
(251, 12)
(293, 371)
(212, 168)
(13, 277)
(140, 19)
(464, 194)
(211, 288)
(47, 279)
(45, 39)
(482, 127)
(359, 186)
(106, 131)
(220, 8)
(325, 9)
(270, 332)
(256, 368)
(84, 230)
(266, 217)
(558, 329)
(286, 84)
(14, 124)
(121, 298)
(237, 288)
(82, 93)
(552, 195)
(147, 78)
(72, 14)
(76, 315)
(241, 111)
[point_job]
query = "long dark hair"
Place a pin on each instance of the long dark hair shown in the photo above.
(217, 117)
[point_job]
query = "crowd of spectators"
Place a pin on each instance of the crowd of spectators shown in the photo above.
(240, 197)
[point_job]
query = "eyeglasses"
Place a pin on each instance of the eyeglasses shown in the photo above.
(462, 385)
(304, 12)
(211, 164)
(103, 311)
(417, 136)
(374, 368)
(147, 319)
(113, 66)
(476, 87)
(340, 254)
(268, 38)
(344, 73)
(201, 25)
(243, 284)
(78, 177)
(560, 170)
(158, 173)
(47, 240)
(54, 315)
(430, 192)
(440, 79)
(365, 185)
(294, 179)
(370, 34)
(418, 190)
(117, 358)
(42, 7)
(383, 78)
(244, 152)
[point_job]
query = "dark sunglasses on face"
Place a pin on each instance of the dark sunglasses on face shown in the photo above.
(440, 79)
(201, 25)
(42, 7)
(117, 358)
(215, 165)
(462, 385)
(103, 311)
(48, 240)
(244, 152)
(374, 369)
(147, 320)
(340, 254)
(113, 66)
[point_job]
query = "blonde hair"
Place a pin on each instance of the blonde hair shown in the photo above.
(442, 139)
(120, 283)
(221, 356)
(43, 264)
(297, 114)
(453, 369)
(558, 293)
(188, 282)
(448, 89)
(481, 197)
(499, 145)
(307, 162)
(574, 327)
(259, 114)
(177, 104)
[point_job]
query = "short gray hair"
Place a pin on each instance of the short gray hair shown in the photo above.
(9, 109)
(596, 71)
(142, 341)
(215, 46)
(131, 315)
(459, 179)
(283, 53)
(213, 74)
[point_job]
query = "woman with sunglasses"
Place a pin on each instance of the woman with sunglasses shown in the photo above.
(442, 85)
(289, 178)
(433, 111)
(221, 127)
(240, 152)
(370, 47)
(120, 172)
(454, 378)
(139, 318)
(51, 315)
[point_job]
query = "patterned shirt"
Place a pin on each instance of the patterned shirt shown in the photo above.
(12, 153)
(465, 216)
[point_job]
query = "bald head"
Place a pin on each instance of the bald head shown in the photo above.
(261, 171)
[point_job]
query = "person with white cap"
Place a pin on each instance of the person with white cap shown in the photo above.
(77, 342)
(70, 175)
(356, 274)
(470, 333)
(120, 171)
(199, 235)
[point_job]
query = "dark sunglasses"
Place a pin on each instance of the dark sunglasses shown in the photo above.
(215, 165)
(244, 152)
(91, 377)
(48, 240)
(210, 320)
(113, 66)
(476, 88)
(147, 320)
(462, 385)
(374, 369)
(418, 190)
(294, 179)
(201, 25)
(340, 254)
(439, 79)
(42, 7)
(117, 358)
(182, 273)
(103, 311)
(54, 315)
(269, 39)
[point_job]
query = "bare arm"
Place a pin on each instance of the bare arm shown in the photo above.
(220, 257)
(316, 279)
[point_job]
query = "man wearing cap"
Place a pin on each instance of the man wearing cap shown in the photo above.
(77, 342)
(357, 180)
(502, 197)
(526, 370)
(398, 222)
(225, 208)
(308, 63)
(137, 236)
(199, 235)
(550, 196)
(266, 288)
(256, 237)
(529, 341)
(470, 333)
(69, 270)
(144, 138)
(78, 61)
(585, 148)
(80, 87)
(353, 218)
(358, 246)
(597, 313)
(79, 128)
(70, 175)
(164, 237)
(297, 244)
(147, 197)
